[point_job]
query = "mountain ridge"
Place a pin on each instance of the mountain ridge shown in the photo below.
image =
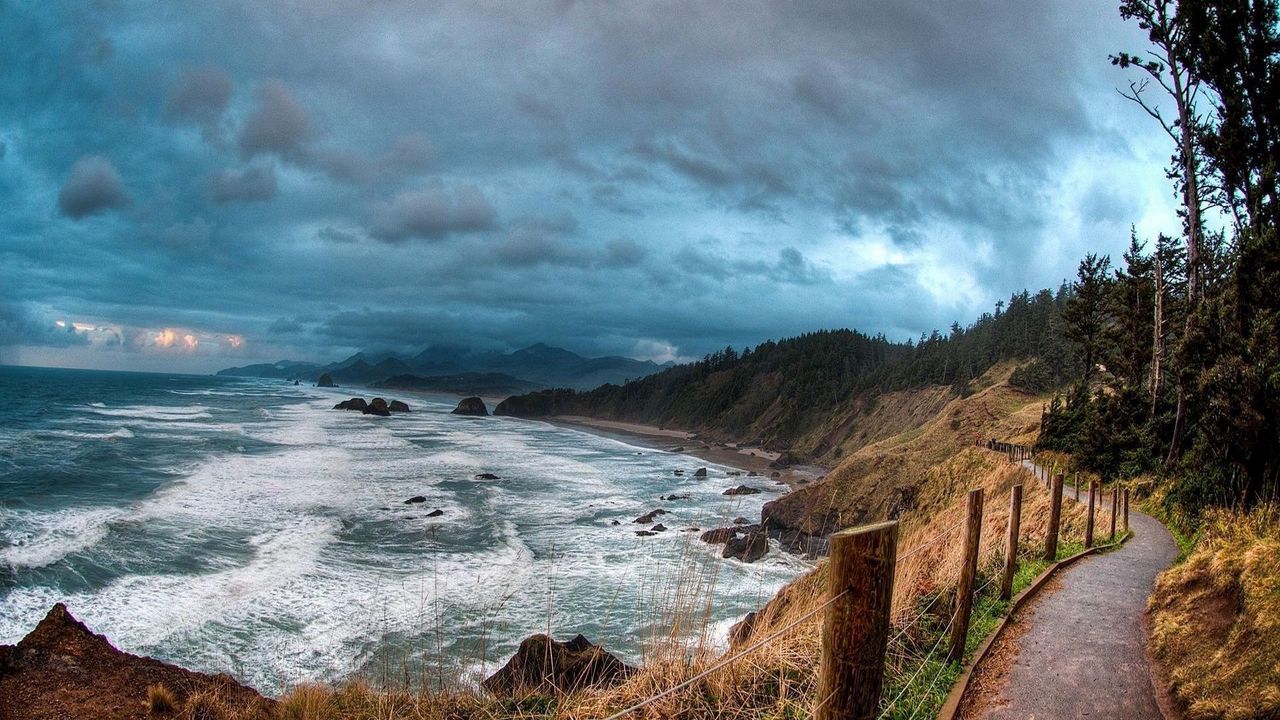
(537, 366)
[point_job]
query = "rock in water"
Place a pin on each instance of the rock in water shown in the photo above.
(378, 406)
(700, 472)
(352, 404)
(748, 548)
(415, 500)
(742, 490)
(398, 406)
(471, 406)
(435, 513)
(326, 380)
(63, 670)
(487, 476)
(649, 517)
(719, 536)
(543, 665)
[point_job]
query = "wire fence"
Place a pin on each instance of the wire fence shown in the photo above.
(902, 658)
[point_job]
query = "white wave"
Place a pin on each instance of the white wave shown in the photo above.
(152, 412)
(38, 539)
(120, 433)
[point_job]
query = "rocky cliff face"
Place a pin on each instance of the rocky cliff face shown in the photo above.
(63, 670)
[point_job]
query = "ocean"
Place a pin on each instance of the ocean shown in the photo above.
(243, 526)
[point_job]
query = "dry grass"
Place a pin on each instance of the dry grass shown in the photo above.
(920, 475)
(205, 706)
(1216, 618)
(161, 700)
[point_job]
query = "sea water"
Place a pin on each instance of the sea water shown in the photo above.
(243, 526)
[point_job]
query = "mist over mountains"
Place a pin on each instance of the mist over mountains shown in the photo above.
(448, 368)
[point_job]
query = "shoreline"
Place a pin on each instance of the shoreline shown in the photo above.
(740, 457)
(744, 458)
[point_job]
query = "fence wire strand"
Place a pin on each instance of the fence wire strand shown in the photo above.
(729, 660)
(941, 534)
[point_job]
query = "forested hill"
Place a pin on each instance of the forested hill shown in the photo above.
(793, 394)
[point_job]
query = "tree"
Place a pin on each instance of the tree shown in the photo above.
(1132, 298)
(1086, 312)
(1166, 63)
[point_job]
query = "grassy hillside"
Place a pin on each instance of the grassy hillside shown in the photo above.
(825, 394)
(917, 468)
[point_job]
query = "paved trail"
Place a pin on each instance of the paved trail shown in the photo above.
(1078, 651)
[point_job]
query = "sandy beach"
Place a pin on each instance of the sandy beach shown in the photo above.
(747, 459)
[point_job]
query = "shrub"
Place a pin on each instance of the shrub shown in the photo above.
(1034, 377)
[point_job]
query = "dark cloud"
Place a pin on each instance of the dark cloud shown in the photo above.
(623, 252)
(24, 325)
(254, 182)
(286, 326)
(277, 124)
(93, 186)
(332, 234)
(432, 214)
(200, 95)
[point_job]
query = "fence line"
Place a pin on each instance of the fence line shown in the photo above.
(858, 631)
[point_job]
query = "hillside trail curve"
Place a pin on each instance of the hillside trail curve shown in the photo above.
(1079, 650)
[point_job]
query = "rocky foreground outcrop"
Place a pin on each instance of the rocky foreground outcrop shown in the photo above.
(471, 406)
(544, 665)
(63, 670)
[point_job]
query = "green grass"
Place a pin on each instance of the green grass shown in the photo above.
(1186, 540)
(931, 678)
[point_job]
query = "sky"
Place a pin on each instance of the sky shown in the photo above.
(190, 185)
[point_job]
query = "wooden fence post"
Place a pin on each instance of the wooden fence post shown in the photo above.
(968, 572)
(1115, 509)
(1011, 542)
(1055, 519)
(1088, 523)
(855, 629)
(1126, 509)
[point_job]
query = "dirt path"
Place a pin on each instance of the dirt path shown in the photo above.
(1079, 651)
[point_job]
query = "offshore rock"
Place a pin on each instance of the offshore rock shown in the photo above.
(471, 406)
(543, 665)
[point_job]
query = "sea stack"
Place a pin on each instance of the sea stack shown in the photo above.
(326, 380)
(471, 406)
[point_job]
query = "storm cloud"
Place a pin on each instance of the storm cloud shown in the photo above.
(94, 185)
(653, 178)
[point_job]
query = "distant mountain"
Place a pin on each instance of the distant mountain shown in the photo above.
(531, 368)
(460, 384)
(283, 370)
